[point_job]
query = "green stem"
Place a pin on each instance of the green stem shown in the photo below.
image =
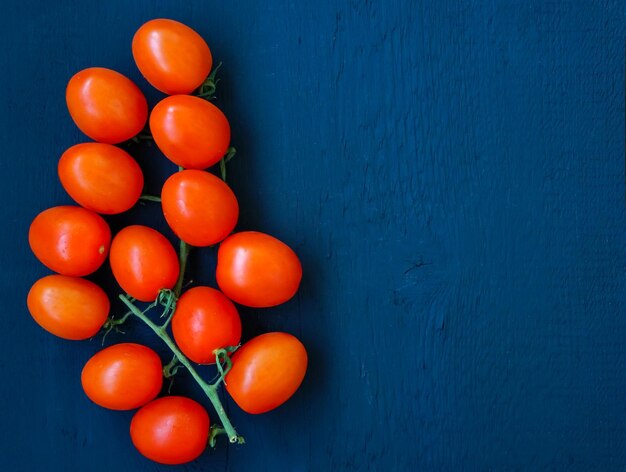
(224, 160)
(112, 324)
(219, 354)
(167, 321)
(216, 431)
(168, 299)
(150, 198)
(223, 169)
(170, 369)
(183, 254)
(209, 86)
(209, 390)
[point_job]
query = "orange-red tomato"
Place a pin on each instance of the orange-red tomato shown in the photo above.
(204, 321)
(68, 307)
(266, 372)
(101, 177)
(106, 106)
(70, 240)
(123, 376)
(170, 430)
(143, 262)
(257, 270)
(199, 207)
(190, 131)
(171, 56)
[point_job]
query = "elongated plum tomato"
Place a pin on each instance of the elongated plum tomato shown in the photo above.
(204, 321)
(105, 105)
(171, 56)
(199, 207)
(70, 240)
(255, 269)
(266, 372)
(68, 307)
(190, 131)
(123, 376)
(143, 262)
(170, 430)
(101, 177)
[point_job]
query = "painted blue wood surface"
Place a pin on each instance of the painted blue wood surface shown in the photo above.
(451, 174)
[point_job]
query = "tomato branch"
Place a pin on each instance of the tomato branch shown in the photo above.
(209, 389)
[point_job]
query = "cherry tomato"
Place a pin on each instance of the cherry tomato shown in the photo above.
(123, 376)
(70, 240)
(68, 307)
(171, 56)
(190, 131)
(204, 321)
(143, 262)
(101, 177)
(199, 207)
(106, 106)
(170, 430)
(266, 372)
(257, 270)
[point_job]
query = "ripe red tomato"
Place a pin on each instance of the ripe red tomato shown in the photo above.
(170, 430)
(171, 56)
(199, 207)
(68, 307)
(266, 372)
(257, 270)
(143, 262)
(190, 131)
(106, 106)
(123, 376)
(70, 240)
(101, 177)
(204, 321)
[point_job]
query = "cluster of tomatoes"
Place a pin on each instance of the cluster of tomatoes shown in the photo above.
(253, 269)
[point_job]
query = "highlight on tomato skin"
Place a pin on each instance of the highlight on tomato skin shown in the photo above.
(204, 321)
(190, 131)
(70, 240)
(257, 270)
(106, 105)
(68, 307)
(171, 56)
(266, 372)
(123, 376)
(143, 262)
(101, 177)
(170, 430)
(200, 208)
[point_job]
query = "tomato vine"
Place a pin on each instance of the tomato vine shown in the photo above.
(200, 325)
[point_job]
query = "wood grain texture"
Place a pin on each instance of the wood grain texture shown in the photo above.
(451, 174)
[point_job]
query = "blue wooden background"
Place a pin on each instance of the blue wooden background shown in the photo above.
(451, 174)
